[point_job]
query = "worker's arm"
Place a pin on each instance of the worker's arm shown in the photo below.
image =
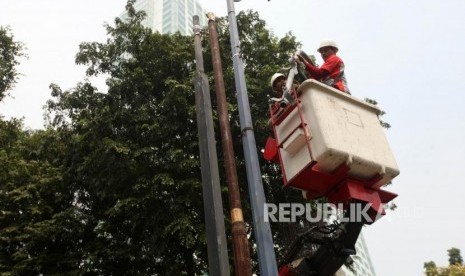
(332, 63)
(317, 73)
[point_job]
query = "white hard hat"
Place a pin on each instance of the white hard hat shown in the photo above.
(328, 43)
(275, 77)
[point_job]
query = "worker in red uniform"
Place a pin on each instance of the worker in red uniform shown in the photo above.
(332, 71)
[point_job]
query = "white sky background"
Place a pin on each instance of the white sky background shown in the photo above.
(408, 55)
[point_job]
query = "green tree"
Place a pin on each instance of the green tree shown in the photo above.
(113, 186)
(455, 258)
(133, 161)
(37, 218)
(10, 52)
(455, 268)
(430, 269)
(133, 164)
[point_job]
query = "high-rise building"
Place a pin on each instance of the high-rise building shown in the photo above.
(362, 265)
(170, 16)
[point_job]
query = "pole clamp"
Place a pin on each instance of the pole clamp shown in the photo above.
(245, 129)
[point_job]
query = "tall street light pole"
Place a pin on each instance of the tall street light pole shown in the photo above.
(263, 237)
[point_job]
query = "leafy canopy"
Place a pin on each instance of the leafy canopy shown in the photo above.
(113, 185)
(10, 52)
(455, 268)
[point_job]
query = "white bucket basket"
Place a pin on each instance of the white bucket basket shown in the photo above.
(340, 128)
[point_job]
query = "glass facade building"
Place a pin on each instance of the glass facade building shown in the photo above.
(362, 265)
(170, 16)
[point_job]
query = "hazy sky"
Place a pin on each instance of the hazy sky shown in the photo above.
(408, 55)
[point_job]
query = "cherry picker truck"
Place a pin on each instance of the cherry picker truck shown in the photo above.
(330, 145)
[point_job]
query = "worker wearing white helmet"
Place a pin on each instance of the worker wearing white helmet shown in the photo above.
(277, 83)
(332, 71)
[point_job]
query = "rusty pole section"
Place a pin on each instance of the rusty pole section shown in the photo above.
(242, 262)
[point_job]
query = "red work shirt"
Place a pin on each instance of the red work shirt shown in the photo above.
(330, 73)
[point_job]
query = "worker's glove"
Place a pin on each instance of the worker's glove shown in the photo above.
(283, 102)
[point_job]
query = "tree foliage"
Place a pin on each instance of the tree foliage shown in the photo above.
(455, 268)
(37, 218)
(455, 258)
(112, 186)
(134, 165)
(10, 52)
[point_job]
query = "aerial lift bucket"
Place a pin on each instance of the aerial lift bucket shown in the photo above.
(330, 144)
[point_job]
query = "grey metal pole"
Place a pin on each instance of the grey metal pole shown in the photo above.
(218, 261)
(266, 254)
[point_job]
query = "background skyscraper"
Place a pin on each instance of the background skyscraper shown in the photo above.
(362, 265)
(170, 16)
